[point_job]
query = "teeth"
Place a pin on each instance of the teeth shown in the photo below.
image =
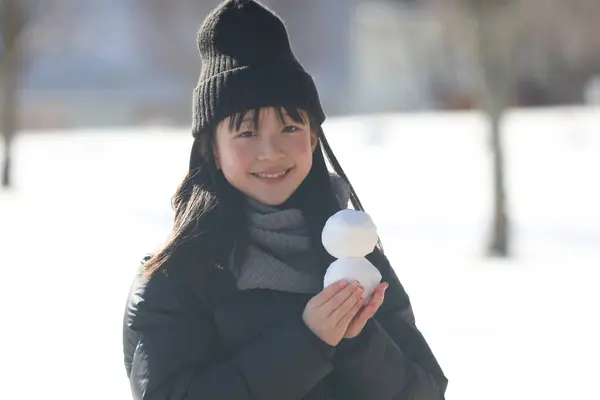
(271, 176)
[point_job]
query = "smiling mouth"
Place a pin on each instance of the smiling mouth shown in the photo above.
(272, 175)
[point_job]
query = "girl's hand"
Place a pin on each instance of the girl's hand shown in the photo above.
(359, 321)
(329, 313)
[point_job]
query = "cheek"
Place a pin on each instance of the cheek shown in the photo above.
(236, 159)
(301, 147)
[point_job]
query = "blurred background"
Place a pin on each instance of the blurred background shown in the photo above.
(470, 129)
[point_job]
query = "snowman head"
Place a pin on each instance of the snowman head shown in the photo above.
(349, 234)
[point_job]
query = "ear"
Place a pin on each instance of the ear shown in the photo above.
(314, 140)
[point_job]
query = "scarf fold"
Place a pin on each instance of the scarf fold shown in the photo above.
(279, 255)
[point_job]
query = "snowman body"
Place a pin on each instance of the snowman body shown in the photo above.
(349, 235)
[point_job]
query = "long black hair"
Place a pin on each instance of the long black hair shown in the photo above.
(210, 220)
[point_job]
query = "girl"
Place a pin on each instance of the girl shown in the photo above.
(232, 306)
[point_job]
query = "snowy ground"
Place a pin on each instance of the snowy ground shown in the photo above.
(89, 204)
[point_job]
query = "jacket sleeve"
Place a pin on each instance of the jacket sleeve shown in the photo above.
(176, 358)
(390, 359)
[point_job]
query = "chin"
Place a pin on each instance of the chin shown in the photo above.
(273, 201)
(272, 197)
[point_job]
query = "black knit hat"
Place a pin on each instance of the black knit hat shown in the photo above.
(247, 63)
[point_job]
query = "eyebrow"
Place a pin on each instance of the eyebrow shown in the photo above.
(251, 119)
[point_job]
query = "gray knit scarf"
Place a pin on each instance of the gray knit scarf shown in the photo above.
(279, 255)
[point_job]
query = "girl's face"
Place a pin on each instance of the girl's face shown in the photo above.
(269, 161)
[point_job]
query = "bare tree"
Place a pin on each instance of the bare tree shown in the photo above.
(555, 42)
(495, 33)
(12, 23)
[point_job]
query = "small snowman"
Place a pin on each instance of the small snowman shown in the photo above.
(349, 235)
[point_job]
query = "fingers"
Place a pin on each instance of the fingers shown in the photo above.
(329, 292)
(340, 297)
(377, 299)
(347, 319)
(359, 320)
(355, 298)
(366, 314)
(323, 312)
(369, 310)
(378, 296)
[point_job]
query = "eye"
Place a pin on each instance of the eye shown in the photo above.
(290, 129)
(246, 134)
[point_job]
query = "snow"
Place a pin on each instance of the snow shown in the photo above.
(349, 234)
(88, 204)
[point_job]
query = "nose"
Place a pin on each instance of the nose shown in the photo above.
(270, 148)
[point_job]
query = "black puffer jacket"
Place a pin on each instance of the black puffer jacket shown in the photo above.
(186, 340)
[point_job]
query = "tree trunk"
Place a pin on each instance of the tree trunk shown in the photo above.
(499, 243)
(9, 79)
(8, 113)
(495, 36)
